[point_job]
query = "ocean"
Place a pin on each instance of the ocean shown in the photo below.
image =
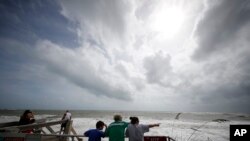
(180, 126)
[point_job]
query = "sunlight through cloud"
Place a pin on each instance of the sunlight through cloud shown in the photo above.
(167, 21)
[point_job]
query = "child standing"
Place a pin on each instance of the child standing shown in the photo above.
(96, 134)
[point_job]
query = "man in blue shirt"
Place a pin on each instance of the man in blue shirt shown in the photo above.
(96, 134)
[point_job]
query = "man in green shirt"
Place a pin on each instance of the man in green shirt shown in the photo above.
(116, 129)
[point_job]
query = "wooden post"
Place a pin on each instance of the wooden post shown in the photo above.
(74, 133)
(67, 129)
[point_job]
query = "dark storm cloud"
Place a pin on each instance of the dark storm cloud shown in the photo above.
(28, 21)
(26, 72)
(220, 24)
(223, 50)
(225, 84)
(230, 97)
(20, 85)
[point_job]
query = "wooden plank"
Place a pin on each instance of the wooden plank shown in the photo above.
(63, 135)
(9, 134)
(12, 129)
(20, 137)
(13, 139)
(60, 137)
(170, 139)
(39, 125)
(158, 138)
(33, 126)
(33, 137)
(43, 132)
(50, 138)
(7, 124)
(16, 123)
(50, 129)
(155, 138)
(74, 133)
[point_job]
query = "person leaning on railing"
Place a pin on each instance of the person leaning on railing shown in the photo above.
(96, 134)
(67, 117)
(116, 129)
(135, 131)
(27, 118)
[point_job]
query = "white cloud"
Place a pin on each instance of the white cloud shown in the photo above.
(198, 60)
(139, 52)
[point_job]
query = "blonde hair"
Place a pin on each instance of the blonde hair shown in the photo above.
(117, 117)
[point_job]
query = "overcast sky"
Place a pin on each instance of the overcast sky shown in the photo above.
(164, 55)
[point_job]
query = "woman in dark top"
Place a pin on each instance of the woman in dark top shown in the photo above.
(27, 118)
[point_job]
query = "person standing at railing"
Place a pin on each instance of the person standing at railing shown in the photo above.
(116, 130)
(96, 134)
(27, 118)
(67, 117)
(135, 131)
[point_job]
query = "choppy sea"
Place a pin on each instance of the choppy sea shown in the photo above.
(180, 126)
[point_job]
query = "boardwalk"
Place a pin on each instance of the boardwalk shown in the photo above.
(11, 132)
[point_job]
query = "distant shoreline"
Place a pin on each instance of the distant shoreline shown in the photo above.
(108, 110)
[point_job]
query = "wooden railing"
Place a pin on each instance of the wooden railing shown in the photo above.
(158, 138)
(14, 123)
(40, 127)
(11, 131)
